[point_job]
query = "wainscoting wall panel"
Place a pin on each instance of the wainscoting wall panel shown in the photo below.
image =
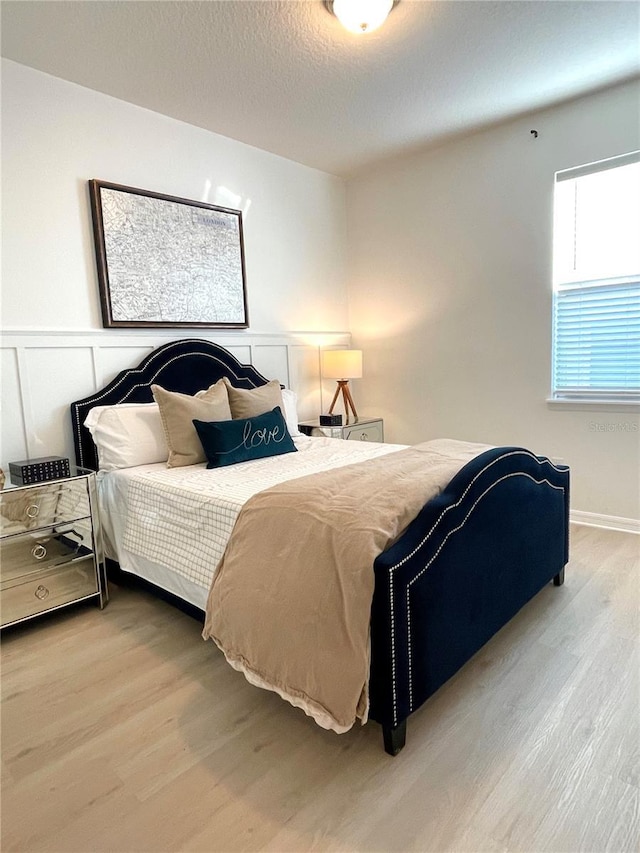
(54, 377)
(12, 424)
(271, 361)
(44, 371)
(110, 360)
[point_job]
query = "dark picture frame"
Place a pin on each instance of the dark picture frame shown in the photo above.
(165, 261)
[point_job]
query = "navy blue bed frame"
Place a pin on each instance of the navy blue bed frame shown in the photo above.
(473, 557)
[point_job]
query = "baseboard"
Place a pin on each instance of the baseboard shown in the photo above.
(610, 522)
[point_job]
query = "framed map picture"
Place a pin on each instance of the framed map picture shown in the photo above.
(166, 261)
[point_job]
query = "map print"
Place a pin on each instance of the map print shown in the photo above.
(171, 262)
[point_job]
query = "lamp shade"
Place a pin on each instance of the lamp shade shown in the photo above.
(342, 364)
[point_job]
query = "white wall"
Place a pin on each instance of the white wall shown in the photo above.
(450, 294)
(57, 135)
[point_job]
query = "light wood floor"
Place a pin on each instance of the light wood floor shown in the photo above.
(123, 731)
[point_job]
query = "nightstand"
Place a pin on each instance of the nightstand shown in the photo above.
(359, 429)
(50, 547)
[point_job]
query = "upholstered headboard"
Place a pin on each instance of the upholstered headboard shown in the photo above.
(187, 366)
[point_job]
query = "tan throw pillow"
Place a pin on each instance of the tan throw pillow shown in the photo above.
(249, 403)
(178, 411)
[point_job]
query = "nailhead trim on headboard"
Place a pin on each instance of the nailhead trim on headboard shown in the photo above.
(135, 383)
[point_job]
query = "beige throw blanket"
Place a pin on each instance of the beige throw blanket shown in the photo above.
(290, 603)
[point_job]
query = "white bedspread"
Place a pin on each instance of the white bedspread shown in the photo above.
(172, 525)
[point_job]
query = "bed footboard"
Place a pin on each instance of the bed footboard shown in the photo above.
(464, 567)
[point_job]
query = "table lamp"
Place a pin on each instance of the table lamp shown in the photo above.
(342, 365)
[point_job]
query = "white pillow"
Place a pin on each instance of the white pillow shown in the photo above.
(290, 401)
(127, 434)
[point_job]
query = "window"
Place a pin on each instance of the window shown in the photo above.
(596, 282)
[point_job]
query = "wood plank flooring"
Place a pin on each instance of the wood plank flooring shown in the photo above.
(123, 731)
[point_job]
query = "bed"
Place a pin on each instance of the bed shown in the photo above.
(471, 558)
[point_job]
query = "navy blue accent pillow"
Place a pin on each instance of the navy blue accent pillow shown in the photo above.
(228, 442)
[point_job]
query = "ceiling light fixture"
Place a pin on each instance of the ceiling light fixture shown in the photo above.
(361, 16)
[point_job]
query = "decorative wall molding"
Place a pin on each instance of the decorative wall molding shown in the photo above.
(13, 336)
(44, 370)
(609, 522)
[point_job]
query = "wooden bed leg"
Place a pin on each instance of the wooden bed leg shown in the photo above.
(394, 737)
(559, 578)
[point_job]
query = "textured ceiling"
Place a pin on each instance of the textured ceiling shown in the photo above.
(285, 76)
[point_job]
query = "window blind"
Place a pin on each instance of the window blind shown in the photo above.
(597, 341)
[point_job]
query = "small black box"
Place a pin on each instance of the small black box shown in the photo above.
(330, 420)
(38, 470)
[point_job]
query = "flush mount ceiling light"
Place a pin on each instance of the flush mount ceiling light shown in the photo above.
(361, 16)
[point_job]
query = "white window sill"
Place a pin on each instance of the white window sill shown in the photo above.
(626, 406)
